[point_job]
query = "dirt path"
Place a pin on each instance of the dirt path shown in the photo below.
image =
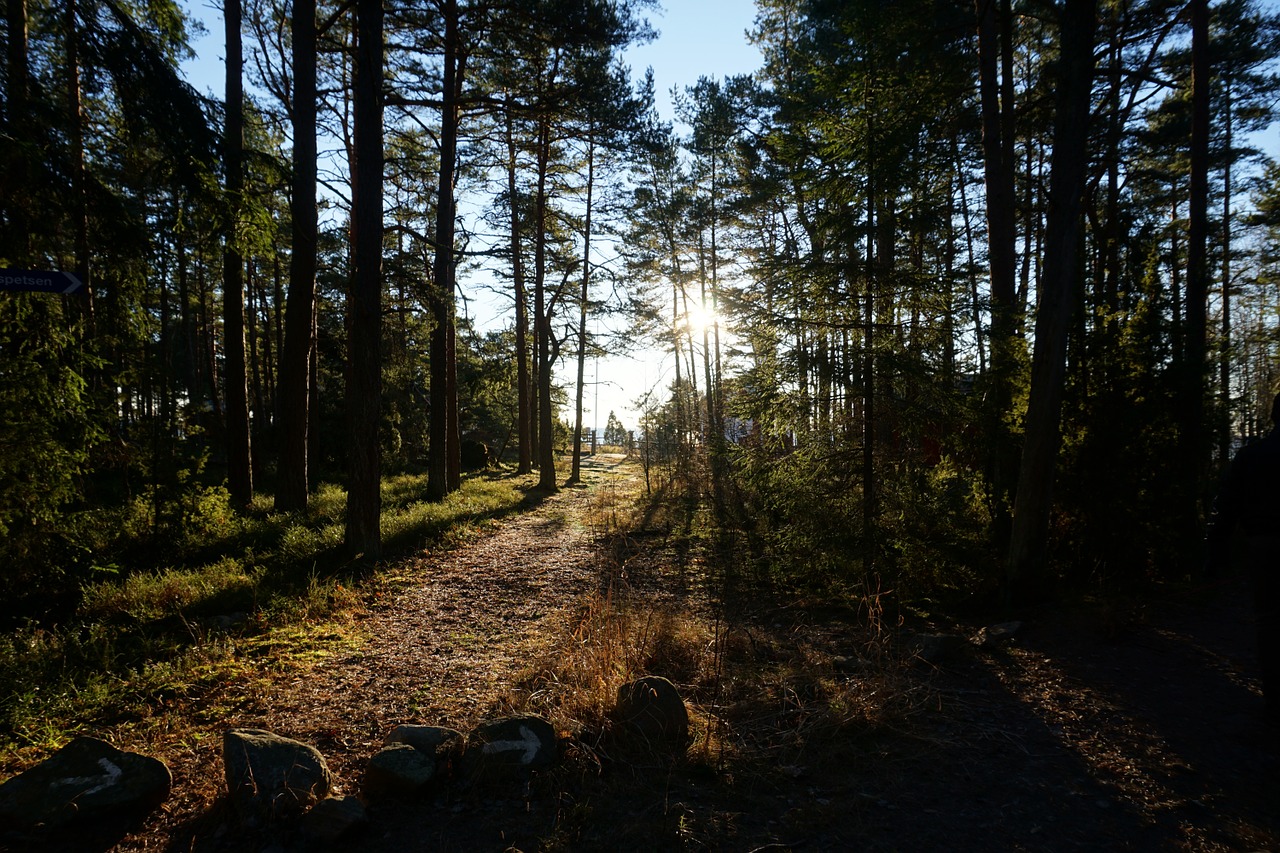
(453, 632)
(442, 644)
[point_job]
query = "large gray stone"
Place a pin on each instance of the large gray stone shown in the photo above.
(511, 745)
(996, 635)
(333, 819)
(86, 781)
(269, 776)
(937, 649)
(441, 743)
(398, 770)
(652, 708)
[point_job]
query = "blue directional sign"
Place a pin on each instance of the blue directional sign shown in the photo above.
(40, 281)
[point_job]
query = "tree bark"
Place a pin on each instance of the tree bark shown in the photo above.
(997, 147)
(1058, 289)
(235, 368)
(575, 473)
(1192, 432)
(524, 420)
(294, 384)
(542, 316)
(439, 481)
(364, 383)
(1224, 361)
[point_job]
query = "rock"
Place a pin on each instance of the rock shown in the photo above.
(227, 621)
(442, 743)
(510, 745)
(333, 818)
(995, 635)
(86, 781)
(938, 648)
(850, 664)
(397, 770)
(652, 707)
(269, 776)
(474, 454)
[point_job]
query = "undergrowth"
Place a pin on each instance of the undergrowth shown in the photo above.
(762, 680)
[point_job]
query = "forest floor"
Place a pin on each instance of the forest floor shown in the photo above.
(1127, 727)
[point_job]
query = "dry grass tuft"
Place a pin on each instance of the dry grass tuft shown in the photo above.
(753, 695)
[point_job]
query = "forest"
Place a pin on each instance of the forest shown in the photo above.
(971, 301)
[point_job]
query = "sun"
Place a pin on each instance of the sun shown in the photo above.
(700, 318)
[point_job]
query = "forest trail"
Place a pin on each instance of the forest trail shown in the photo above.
(447, 640)
(1130, 727)
(441, 643)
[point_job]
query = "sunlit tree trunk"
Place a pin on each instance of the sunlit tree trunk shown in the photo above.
(575, 473)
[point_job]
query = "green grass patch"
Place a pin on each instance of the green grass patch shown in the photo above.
(244, 596)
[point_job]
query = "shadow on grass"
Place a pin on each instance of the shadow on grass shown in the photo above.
(293, 569)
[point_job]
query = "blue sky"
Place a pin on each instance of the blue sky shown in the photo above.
(697, 37)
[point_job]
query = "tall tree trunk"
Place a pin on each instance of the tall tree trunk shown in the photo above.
(235, 368)
(869, 410)
(453, 441)
(575, 473)
(442, 290)
(1224, 358)
(974, 300)
(79, 173)
(542, 316)
(949, 301)
(709, 433)
(315, 451)
(209, 352)
(682, 418)
(677, 287)
(186, 328)
(272, 341)
(253, 364)
(1057, 297)
(293, 397)
(997, 147)
(714, 408)
(524, 417)
(1192, 432)
(364, 383)
(1177, 297)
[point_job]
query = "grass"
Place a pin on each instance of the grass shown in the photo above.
(755, 687)
(274, 592)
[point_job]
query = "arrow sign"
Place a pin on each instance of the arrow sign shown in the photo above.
(106, 780)
(529, 744)
(40, 281)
